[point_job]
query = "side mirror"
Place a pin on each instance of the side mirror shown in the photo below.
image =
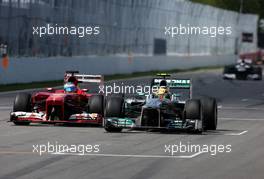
(49, 89)
(85, 90)
(141, 94)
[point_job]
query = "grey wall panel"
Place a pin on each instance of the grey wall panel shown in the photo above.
(22, 70)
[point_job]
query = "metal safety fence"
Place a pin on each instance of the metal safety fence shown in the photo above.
(126, 27)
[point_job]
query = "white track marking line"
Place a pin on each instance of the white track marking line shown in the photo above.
(240, 108)
(236, 134)
(108, 155)
(196, 154)
(131, 156)
(241, 119)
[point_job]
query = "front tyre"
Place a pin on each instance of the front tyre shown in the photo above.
(193, 111)
(209, 109)
(22, 103)
(114, 108)
(21, 123)
(110, 128)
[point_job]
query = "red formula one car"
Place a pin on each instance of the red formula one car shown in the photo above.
(70, 105)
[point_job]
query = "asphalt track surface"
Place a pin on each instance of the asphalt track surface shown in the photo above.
(136, 155)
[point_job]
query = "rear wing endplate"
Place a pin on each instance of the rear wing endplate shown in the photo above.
(84, 78)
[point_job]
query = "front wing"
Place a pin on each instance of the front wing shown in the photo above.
(84, 118)
(175, 124)
(234, 76)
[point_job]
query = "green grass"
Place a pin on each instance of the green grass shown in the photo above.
(21, 86)
(153, 73)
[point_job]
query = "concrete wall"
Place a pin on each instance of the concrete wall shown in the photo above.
(22, 70)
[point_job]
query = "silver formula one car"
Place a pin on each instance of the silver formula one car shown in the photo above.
(243, 70)
(165, 109)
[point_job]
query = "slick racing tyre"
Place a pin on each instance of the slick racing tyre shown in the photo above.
(258, 71)
(96, 104)
(21, 123)
(193, 109)
(228, 70)
(22, 103)
(114, 107)
(110, 128)
(209, 109)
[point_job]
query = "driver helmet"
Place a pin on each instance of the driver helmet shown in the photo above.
(70, 87)
(163, 88)
(163, 83)
(73, 80)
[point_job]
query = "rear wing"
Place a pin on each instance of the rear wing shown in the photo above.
(175, 83)
(163, 75)
(84, 78)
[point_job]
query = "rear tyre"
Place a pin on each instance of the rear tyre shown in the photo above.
(119, 95)
(209, 109)
(114, 107)
(259, 72)
(96, 104)
(22, 103)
